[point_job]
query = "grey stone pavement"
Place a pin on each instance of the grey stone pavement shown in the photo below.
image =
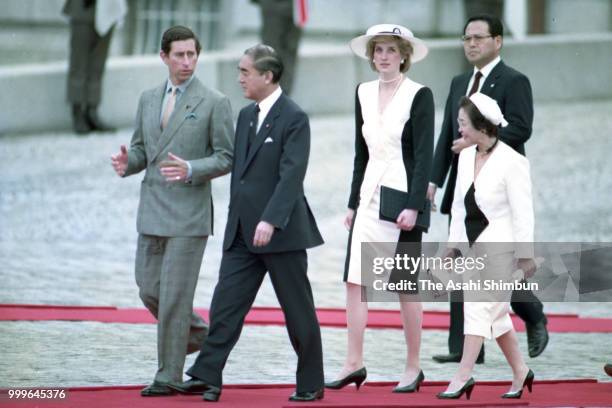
(67, 236)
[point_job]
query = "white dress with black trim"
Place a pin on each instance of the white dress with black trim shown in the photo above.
(388, 146)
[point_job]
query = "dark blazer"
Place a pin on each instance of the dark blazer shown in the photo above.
(512, 91)
(80, 10)
(268, 181)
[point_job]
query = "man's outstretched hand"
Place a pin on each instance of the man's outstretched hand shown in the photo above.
(119, 161)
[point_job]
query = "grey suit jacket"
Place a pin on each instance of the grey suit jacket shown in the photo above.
(200, 130)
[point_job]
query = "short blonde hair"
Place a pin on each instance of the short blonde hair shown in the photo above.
(404, 46)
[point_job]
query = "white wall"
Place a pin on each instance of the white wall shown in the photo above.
(559, 67)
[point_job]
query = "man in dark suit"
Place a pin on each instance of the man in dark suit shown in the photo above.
(269, 228)
(91, 29)
(183, 139)
(482, 43)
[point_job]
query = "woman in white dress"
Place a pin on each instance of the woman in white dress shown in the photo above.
(492, 212)
(394, 119)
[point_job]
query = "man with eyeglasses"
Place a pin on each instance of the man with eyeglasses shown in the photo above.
(482, 43)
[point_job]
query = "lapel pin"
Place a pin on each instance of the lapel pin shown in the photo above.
(492, 85)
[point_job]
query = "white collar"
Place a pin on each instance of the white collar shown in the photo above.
(486, 70)
(266, 104)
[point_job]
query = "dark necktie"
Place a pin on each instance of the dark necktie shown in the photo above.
(476, 83)
(253, 126)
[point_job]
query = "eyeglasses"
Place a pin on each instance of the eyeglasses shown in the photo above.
(477, 38)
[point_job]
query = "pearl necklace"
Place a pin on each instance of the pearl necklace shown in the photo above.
(388, 81)
(400, 77)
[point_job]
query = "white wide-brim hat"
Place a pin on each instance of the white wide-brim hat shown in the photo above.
(359, 44)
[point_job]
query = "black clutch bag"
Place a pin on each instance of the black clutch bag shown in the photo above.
(393, 202)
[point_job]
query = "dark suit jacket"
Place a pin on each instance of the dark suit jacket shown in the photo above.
(80, 10)
(512, 91)
(268, 180)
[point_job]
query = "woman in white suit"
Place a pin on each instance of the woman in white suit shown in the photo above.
(492, 205)
(394, 123)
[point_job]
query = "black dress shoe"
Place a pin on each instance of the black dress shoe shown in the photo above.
(212, 394)
(80, 124)
(195, 386)
(412, 387)
(527, 382)
(357, 377)
(537, 338)
(157, 389)
(608, 369)
(307, 396)
(467, 389)
(454, 358)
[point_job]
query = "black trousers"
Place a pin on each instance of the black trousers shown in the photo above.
(279, 32)
(88, 53)
(529, 309)
(240, 277)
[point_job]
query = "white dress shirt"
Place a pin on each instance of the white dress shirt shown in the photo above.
(266, 104)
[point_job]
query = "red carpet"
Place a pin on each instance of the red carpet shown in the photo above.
(273, 316)
(545, 394)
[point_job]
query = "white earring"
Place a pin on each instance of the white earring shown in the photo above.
(403, 61)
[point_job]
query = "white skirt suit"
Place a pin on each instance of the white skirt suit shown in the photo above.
(502, 191)
(392, 149)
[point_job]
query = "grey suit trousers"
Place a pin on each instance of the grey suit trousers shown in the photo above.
(167, 270)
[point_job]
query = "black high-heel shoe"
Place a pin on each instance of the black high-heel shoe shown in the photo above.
(357, 377)
(414, 386)
(528, 381)
(467, 389)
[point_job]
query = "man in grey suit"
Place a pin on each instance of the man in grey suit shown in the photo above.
(183, 139)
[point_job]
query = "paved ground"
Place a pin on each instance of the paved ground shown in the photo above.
(67, 236)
